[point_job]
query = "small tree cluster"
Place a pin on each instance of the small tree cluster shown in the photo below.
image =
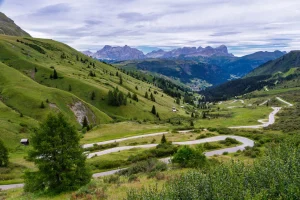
(135, 97)
(54, 75)
(92, 74)
(116, 98)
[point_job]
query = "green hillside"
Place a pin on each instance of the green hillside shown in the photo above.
(282, 64)
(8, 27)
(35, 61)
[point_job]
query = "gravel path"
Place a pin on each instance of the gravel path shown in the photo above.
(264, 124)
(123, 139)
(283, 101)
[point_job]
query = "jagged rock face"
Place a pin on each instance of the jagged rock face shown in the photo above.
(128, 53)
(119, 53)
(156, 54)
(8, 27)
(191, 52)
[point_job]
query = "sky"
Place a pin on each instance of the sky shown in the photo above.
(244, 26)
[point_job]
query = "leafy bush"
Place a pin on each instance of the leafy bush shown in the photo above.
(229, 141)
(210, 146)
(161, 150)
(189, 157)
(106, 164)
(275, 176)
(97, 147)
(225, 131)
(150, 165)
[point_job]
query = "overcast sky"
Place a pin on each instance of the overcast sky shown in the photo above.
(245, 26)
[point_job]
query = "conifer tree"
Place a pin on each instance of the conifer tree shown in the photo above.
(85, 123)
(42, 105)
(146, 95)
(153, 111)
(121, 80)
(163, 139)
(192, 123)
(55, 76)
(59, 158)
(3, 155)
(93, 95)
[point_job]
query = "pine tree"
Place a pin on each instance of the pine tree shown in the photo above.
(93, 95)
(51, 76)
(60, 160)
(136, 87)
(192, 115)
(135, 97)
(152, 97)
(146, 95)
(70, 88)
(121, 80)
(157, 115)
(192, 123)
(85, 123)
(163, 139)
(35, 70)
(42, 105)
(153, 111)
(129, 95)
(3, 155)
(117, 73)
(178, 101)
(55, 76)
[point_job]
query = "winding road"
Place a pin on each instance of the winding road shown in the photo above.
(245, 142)
(264, 124)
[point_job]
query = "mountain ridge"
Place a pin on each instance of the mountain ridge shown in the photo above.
(8, 27)
(128, 53)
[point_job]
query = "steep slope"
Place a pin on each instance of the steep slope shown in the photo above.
(243, 65)
(81, 76)
(8, 27)
(280, 73)
(282, 64)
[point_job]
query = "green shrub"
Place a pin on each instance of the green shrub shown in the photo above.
(150, 165)
(275, 176)
(189, 157)
(107, 164)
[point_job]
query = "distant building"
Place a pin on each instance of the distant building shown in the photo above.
(25, 142)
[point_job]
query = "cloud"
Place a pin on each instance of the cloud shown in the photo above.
(244, 26)
(52, 10)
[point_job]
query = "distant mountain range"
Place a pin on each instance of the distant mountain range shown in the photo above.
(128, 53)
(214, 70)
(8, 27)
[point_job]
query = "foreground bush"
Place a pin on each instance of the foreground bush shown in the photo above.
(274, 176)
(189, 157)
(150, 165)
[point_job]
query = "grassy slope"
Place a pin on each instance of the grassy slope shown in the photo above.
(75, 74)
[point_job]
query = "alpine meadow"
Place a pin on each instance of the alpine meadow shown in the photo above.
(149, 100)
